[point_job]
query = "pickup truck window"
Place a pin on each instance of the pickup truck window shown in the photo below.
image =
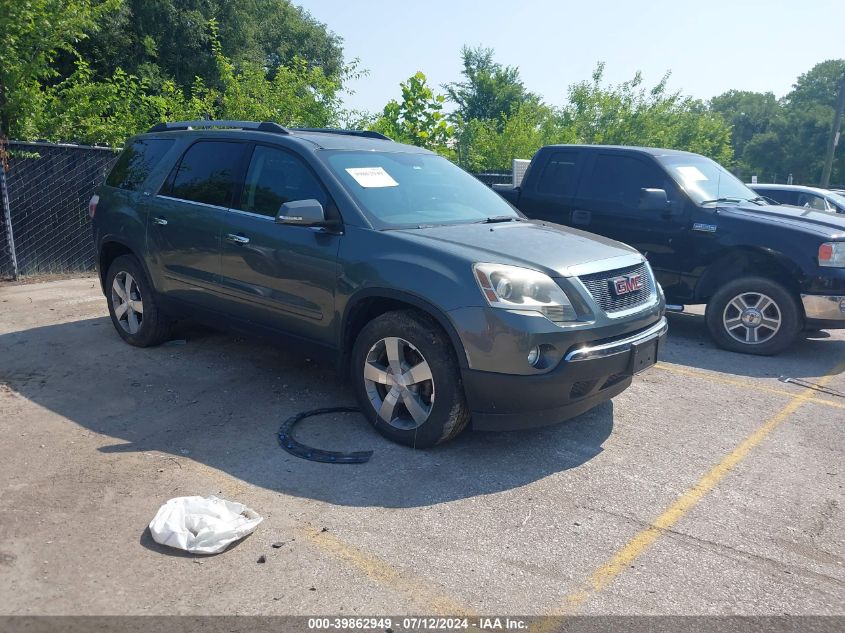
(399, 190)
(705, 180)
(620, 179)
(560, 175)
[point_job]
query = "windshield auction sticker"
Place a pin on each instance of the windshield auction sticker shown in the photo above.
(371, 177)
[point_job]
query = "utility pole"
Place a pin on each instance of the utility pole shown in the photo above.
(834, 134)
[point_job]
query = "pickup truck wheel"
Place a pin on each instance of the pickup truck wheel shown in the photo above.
(132, 306)
(407, 380)
(754, 315)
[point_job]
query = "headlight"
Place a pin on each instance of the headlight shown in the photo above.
(518, 288)
(832, 254)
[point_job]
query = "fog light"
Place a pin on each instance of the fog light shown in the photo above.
(534, 356)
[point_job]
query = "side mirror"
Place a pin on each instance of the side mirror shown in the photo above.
(301, 213)
(654, 200)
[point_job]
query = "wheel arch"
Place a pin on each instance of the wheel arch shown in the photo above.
(369, 303)
(743, 261)
(110, 249)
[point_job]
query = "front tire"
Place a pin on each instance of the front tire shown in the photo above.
(132, 305)
(754, 315)
(407, 380)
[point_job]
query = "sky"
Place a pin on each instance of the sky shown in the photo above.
(709, 46)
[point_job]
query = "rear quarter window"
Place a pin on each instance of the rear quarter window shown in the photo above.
(137, 162)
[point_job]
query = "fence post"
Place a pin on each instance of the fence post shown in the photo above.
(7, 218)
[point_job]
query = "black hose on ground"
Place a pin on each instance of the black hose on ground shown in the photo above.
(292, 446)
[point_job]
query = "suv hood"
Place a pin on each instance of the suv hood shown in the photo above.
(549, 248)
(820, 222)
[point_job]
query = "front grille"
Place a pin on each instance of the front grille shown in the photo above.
(599, 286)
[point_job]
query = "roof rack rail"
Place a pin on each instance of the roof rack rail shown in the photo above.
(331, 130)
(263, 126)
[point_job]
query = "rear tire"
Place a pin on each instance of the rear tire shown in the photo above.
(407, 381)
(754, 315)
(132, 304)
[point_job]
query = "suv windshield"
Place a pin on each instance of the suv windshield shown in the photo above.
(398, 190)
(705, 180)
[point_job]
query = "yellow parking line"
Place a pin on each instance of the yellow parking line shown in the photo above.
(622, 559)
(745, 384)
(422, 594)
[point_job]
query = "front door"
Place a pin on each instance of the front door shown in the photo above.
(185, 219)
(281, 276)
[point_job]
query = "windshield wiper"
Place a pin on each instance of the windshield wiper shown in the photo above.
(500, 218)
(723, 200)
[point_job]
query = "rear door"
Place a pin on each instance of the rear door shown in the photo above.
(186, 218)
(608, 203)
(280, 276)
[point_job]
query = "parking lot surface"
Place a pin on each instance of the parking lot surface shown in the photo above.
(714, 485)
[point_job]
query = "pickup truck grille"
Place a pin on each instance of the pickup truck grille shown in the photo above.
(600, 286)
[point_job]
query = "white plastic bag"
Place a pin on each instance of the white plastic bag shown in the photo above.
(202, 525)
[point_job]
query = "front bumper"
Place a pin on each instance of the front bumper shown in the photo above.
(589, 374)
(827, 309)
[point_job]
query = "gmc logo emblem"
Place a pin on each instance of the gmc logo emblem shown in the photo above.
(626, 284)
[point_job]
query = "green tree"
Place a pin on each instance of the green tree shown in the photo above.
(817, 86)
(159, 40)
(631, 114)
(493, 144)
(86, 109)
(418, 119)
(489, 89)
(33, 34)
(793, 141)
(748, 113)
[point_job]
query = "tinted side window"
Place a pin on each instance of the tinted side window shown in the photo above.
(206, 173)
(784, 197)
(810, 201)
(137, 161)
(619, 179)
(560, 175)
(275, 177)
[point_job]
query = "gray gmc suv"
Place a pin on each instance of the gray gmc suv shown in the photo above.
(443, 303)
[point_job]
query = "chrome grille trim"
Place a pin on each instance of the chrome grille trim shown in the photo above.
(597, 284)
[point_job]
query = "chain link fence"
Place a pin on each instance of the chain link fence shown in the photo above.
(491, 178)
(49, 187)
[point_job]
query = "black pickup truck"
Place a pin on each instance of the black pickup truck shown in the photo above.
(765, 272)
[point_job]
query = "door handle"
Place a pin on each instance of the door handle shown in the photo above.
(237, 239)
(160, 221)
(582, 217)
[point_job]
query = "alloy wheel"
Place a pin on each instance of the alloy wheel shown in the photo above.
(127, 302)
(752, 318)
(399, 383)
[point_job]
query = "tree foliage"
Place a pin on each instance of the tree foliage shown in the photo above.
(160, 40)
(775, 138)
(33, 34)
(418, 118)
(489, 91)
(85, 109)
(596, 113)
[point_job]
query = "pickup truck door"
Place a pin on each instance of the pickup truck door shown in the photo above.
(608, 203)
(280, 276)
(552, 191)
(185, 218)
